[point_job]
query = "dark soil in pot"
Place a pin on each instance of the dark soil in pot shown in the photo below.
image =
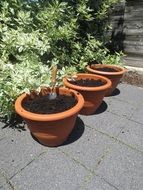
(44, 105)
(106, 69)
(88, 82)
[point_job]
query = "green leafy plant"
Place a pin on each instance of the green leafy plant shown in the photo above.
(34, 35)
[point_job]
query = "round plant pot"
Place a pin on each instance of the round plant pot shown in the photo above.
(51, 129)
(93, 96)
(113, 76)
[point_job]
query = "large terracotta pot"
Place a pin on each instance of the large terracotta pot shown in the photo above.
(51, 129)
(113, 76)
(93, 96)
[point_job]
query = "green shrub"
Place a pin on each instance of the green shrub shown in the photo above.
(34, 35)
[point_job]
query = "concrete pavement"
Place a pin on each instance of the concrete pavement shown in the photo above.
(104, 151)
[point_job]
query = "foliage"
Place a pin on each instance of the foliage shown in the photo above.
(34, 35)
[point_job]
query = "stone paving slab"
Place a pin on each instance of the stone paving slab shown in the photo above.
(8, 132)
(98, 183)
(130, 94)
(120, 108)
(89, 149)
(4, 182)
(132, 135)
(123, 168)
(17, 151)
(106, 123)
(138, 114)
(51, 171)
(6, 187)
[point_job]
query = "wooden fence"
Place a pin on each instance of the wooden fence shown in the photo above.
(127, 31)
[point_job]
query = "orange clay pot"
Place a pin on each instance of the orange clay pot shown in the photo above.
(113, 76)
(93, 96)
(51, 129)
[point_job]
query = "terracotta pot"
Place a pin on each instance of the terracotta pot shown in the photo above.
(113, 76)
(93, 96)
(51, 129)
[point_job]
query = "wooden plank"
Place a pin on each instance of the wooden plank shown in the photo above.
(126, 18)
(133, 50)
(127, 22)
(133, 43)
(133, 31)
(133, 25)
(134, 38)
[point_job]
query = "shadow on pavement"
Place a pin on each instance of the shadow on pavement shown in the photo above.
(103, 107)
(16, 123)
(115, 93)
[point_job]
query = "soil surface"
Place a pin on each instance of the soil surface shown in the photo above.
(106, 69)
(88, 82)
(44, 105)
(133, 78)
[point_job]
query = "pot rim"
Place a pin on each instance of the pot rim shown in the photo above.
(83, 88)
(49, 117)
(121, 72)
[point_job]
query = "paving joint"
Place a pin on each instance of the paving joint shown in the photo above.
(101, 132)
(3, 173)
(128, 118)
(135, 121)
(88, 178)
(116, 139)
(102, 158)
(121, 100)
(92, 173)
(76, 161)
(34, 159)
(109, 183)
(122, 116)
(86, 181)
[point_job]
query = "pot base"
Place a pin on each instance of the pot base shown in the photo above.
(49, 141)
(52, 133)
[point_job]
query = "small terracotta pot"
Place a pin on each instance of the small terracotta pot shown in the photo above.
(51, 129)
(113, 76)
(93, 96)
